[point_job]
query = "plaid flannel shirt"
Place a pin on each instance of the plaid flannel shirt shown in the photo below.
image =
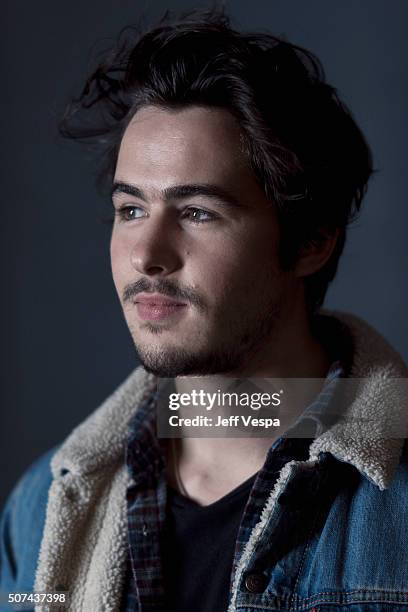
(146, 497)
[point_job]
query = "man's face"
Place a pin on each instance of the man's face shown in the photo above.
(194, 246)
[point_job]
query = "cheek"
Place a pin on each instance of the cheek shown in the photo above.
(120, 260)
(250, 253)
(232, 267)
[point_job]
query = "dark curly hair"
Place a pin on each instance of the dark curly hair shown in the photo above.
(301, 141)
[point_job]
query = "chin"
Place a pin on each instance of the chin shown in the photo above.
(170, 363)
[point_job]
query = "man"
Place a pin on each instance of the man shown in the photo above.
(234, 170)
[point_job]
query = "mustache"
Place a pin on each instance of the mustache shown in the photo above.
(164, 286)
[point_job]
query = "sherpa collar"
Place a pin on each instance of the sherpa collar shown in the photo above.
(380, 402)
(100, 440)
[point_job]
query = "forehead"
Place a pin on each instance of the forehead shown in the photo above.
(194, 144)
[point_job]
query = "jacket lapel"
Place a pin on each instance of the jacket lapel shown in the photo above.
(83, 549)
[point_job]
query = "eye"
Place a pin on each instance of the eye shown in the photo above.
(129, 213)
(198, 215)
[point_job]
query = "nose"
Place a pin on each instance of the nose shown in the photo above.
(155, 250)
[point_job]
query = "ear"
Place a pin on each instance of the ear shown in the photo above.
(313, 256)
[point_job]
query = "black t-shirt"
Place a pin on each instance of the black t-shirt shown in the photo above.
(198, 550)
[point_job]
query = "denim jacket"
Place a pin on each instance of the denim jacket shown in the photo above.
(332, 536)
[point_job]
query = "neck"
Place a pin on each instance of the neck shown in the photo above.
(210, 467)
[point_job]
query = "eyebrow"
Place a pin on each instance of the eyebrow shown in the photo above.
(180, 192)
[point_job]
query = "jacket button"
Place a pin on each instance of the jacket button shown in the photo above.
(255, 583)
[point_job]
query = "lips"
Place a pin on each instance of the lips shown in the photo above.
(158, 307)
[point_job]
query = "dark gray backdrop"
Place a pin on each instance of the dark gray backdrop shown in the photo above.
(65, 345)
